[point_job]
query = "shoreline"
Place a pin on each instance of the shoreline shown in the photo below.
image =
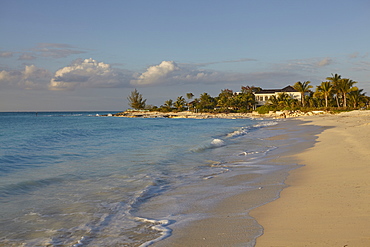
(324, 202)
(327, 201)
(228, 222)
(183, 114)
(205, 115)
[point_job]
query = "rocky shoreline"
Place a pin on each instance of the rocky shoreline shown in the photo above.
(188, 114)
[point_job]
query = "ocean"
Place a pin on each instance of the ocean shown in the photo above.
(80, 179)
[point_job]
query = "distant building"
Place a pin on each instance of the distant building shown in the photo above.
(264, 95)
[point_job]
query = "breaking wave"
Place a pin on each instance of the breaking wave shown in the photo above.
(245, 130)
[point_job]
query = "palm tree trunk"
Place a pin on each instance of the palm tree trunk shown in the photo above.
(337, 98)
(344, 100)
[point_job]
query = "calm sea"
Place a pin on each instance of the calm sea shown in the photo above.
(75, 179)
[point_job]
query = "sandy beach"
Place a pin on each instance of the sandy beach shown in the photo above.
(327, 201)
(323, 203)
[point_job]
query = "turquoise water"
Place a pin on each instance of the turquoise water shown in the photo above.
(75, 179)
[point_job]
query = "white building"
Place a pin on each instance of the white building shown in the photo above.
(264, 95)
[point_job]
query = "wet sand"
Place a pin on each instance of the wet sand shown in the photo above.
(229, 223)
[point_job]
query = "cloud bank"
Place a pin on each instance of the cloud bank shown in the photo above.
(90, 73)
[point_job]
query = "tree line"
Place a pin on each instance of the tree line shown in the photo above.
(336, 93)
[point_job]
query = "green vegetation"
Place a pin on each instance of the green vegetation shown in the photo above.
(302, 88)
(136, 100)
(334, 94)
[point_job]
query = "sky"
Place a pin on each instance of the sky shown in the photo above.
(89, 55)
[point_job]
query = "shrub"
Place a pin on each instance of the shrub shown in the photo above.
(265, 109)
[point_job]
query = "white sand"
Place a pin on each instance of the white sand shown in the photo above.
(328, 201)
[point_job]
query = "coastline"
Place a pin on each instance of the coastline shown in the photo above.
(228, 222)
(183, 114)
(205, 115)
(327, 201)
(322, 203)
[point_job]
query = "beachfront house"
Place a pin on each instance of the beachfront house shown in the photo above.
(264, 95)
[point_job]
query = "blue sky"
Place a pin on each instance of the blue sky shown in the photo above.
(89, 55)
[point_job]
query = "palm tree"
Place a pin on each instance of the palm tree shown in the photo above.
(356, 97)
(180, 103)
(334, 79)
(344, 87)
(168, 104)
(281, 100)
(326, 88)
(274, 101)
(302, 88)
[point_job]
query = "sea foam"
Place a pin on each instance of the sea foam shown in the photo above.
(217, 143)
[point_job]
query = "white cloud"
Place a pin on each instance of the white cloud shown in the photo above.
(31, 77)
(87, 73)
(170, 73)
(156, 74)
(5, 76)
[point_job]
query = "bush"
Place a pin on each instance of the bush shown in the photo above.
(265, 109)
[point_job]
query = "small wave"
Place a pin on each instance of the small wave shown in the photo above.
(248, 153)
(239, 132)
(215, 143)
(245, 130)
(126, 211)
(265, 124)
(158, 225)
(257, 154)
